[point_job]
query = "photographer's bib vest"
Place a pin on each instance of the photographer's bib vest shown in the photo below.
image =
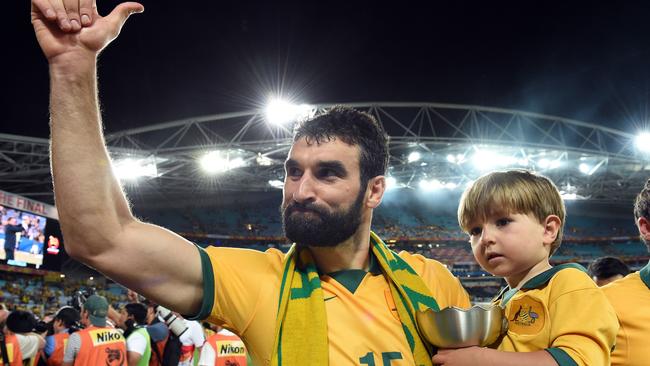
(228, 349)
(146, 356)
(13, 351)
(157, 353)
(101, 346)
(60, 341)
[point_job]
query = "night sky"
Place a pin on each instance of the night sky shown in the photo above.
(585, 61)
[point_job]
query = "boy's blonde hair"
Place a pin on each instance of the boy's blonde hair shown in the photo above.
(513, 191)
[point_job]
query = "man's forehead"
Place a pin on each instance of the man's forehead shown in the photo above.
(325, 150)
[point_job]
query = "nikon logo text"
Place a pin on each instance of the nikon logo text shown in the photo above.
(105, 336)
(231, 349)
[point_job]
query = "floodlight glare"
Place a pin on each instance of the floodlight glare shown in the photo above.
(642, 141)
(281, 112)
(569, 196)
(584, 168)
(391, 183)
(132, 169)
(213, 162)
(276, 183)
(414, 156)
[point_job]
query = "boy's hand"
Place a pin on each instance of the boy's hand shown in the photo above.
(470, 356)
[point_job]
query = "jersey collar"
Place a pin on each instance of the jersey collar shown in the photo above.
(543, 278)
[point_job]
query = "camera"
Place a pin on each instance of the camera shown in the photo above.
(80, 297)
(175, 324)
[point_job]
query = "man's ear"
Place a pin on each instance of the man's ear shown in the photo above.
(375, 191)
(644, 228)
(552, 225)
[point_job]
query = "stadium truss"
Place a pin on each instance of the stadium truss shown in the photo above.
(456, 144)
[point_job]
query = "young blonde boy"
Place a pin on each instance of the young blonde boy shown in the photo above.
(556, 315)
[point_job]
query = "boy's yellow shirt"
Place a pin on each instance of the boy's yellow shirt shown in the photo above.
(563, 312)
(630, 297)
(363, 325)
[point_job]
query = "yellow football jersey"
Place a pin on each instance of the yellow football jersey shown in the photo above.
(242, 288)
(630, 297)
(563, 312)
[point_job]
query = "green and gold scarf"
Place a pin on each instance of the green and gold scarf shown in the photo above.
(301, 325)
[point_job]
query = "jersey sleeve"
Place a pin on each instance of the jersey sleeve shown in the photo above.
(233, 280)
(583, 323)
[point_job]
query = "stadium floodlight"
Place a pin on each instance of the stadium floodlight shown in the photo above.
(451, 185)
(486, 159)
(391, 183)
(215, 162)
(642, 141)
(263, 160)
(456, 159)
(569, 196)
(545, 163)
(414, 156)
(435, 184)
(131, 169)
(276, 183)
(280, 112)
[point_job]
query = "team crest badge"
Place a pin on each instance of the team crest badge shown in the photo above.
(526, 316)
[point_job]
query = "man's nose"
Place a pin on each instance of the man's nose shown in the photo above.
(305, 191)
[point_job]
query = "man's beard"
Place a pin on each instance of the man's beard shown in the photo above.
(319, 228)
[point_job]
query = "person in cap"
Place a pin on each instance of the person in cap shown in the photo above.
(97, 343)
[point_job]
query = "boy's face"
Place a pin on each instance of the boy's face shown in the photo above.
(511, 245)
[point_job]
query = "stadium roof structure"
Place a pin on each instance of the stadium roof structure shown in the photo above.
(455, 144)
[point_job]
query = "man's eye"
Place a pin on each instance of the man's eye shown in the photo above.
(293, 172)
(325, 173)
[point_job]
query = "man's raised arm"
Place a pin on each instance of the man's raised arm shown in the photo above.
(96, 220)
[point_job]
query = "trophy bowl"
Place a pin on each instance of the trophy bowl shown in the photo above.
(453, 327)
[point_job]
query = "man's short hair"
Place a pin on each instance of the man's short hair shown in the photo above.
(138, 311)
(68, 315)
(642, 207)
(355, 128)
(20, 321)
(513, 191)
(606, 267)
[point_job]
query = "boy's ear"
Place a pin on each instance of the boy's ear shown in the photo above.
(552, 225)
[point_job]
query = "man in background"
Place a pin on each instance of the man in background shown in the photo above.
(97, 343)
(12, 231)
(604, 270)
(630, 297)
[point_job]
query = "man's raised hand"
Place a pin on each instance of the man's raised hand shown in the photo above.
(59, 30)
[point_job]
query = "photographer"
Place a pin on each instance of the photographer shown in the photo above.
(158, 333)
(96, 344)
(138, 343)
(65, 322)
(20, 324)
